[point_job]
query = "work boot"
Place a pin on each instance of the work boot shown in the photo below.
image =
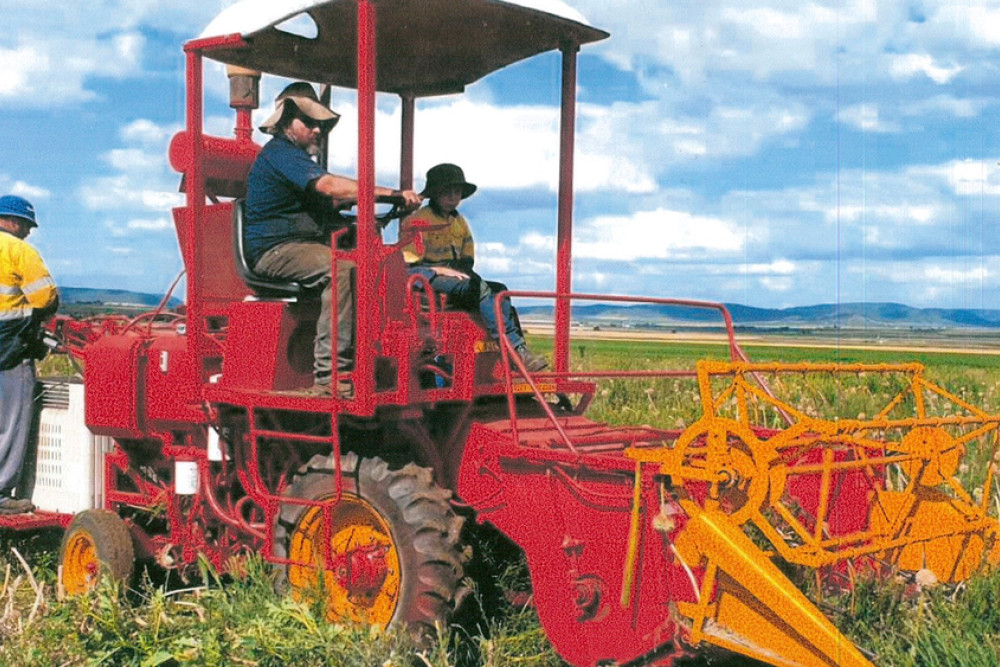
(345, 389)
(322, 387)
(318, 390)
(533, 362)
(15, 506)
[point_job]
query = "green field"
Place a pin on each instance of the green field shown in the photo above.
(242, 622)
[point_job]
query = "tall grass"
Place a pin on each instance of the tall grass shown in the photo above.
(237, 622)
(241, 621)
(232, 621)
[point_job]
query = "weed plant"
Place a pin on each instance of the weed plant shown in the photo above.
(908, 626)
(218, 624)
(241, 621)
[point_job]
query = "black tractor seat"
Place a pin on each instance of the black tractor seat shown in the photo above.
(264, 286)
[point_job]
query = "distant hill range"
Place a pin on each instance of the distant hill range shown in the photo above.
(111, 297)
(823, 316)
(826, 316)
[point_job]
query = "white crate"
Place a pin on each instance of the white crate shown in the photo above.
(69, 471)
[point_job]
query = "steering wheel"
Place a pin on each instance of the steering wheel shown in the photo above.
(344, 213)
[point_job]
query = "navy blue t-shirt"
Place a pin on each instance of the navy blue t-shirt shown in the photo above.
(278, 206)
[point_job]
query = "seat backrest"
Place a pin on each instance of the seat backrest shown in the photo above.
(261, 285)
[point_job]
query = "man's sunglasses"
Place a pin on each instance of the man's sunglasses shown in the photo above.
(310, 123)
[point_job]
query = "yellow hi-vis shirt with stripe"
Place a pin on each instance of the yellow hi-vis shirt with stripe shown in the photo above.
(450, 240)
(25, 282)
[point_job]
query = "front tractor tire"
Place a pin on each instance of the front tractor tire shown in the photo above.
(96, 544)
(394, 544)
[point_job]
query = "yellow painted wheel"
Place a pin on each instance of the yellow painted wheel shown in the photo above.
(358, 534)
(97, 543)
(387, 552)
(726, 451)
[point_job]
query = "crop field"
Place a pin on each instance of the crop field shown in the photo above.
(239, 620)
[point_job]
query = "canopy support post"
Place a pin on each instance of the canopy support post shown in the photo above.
(564, 251)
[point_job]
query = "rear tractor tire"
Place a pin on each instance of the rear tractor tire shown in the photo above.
(394, 544)
(96, 544)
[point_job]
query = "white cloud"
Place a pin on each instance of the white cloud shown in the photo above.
(865, 117)
(779, 267)
(150, 225)
(143, 184)
(145, 132)
(959, 108)
(658, 234)
(47, 70)
(778, 284)
(500, 148)
(942, 276)
(17, 67)
(625, 147)
(539, 242)
(133, 159)
(9, 186)
(979, 18)
(491, 265)
(964, 177)
(120, 193)
(912, 64)
(909, 213)
(959, 282)
(770, 37)
(59, 46)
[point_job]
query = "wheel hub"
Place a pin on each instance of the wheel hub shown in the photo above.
(81, 567)
(360, 568)
(362, 571)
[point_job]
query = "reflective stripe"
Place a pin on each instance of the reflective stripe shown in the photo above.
(10, 291)
(39, 284)
(15, 314)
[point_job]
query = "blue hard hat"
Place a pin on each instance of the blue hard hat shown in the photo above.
(17, 207)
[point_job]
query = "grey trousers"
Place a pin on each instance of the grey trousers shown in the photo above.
(306, 262)
(17, 387)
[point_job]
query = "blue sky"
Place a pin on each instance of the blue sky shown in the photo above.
(788, 153)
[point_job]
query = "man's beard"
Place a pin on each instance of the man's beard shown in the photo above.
(312, 147)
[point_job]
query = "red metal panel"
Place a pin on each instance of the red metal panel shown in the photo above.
(216, 265)
(572, 521)
(269, 345)
(173, 389)
(217, 279)
(112, 392)
(35, 520)
(224, 159)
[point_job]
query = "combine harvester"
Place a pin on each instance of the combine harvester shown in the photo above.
(644, 544)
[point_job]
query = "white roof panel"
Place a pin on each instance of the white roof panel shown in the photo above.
(249, 16)
(425, 47)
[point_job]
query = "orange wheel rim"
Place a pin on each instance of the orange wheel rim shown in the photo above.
(354, 524)
(80, 566)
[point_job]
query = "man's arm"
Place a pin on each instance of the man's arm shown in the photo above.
(341, 187)
(47, 312)
(38, 287)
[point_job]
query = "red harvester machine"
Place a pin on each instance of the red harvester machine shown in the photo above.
(643, 543)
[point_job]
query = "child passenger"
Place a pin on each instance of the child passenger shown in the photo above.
(444, 253)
